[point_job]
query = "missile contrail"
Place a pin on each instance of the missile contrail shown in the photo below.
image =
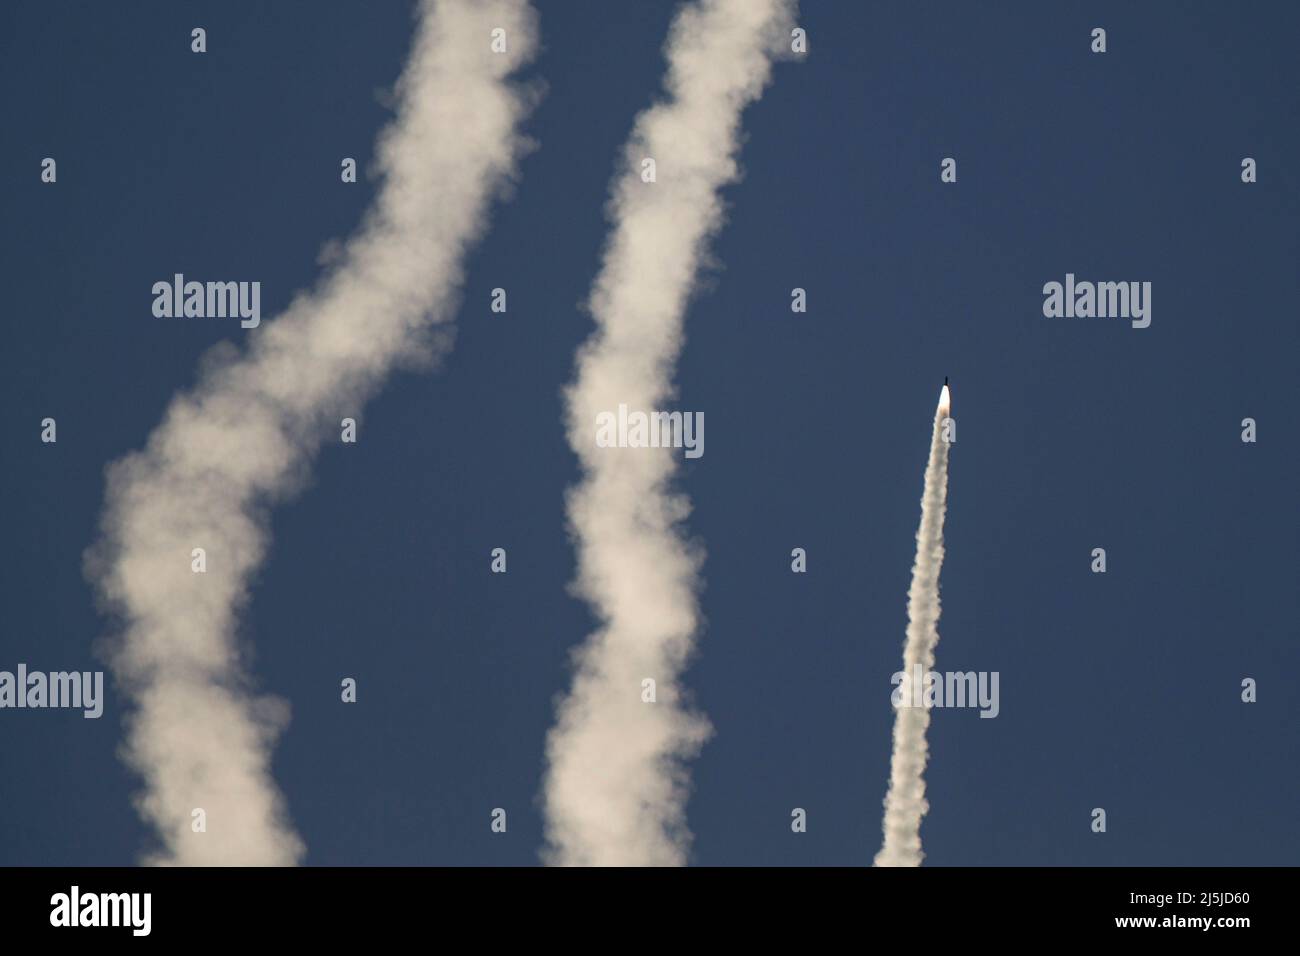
(243, 437)
(905, 802)
(616, 784)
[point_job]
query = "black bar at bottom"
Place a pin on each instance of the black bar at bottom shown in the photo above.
(546, 906)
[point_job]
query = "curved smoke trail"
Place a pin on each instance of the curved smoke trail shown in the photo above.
(244, 436)
(905, 803)
(616, 787)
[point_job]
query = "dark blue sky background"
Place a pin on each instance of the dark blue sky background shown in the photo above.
(1118, 691)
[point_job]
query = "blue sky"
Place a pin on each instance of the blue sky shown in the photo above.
(1118, 691)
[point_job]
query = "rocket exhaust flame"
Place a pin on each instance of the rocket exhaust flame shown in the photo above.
(905, 802)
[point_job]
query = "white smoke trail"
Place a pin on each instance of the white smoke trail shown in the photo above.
(244, 436)
(905, 802)
(616, 786)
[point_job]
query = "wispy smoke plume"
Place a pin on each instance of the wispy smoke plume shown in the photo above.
(243, 437)
(905, 803)
(616, 785)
